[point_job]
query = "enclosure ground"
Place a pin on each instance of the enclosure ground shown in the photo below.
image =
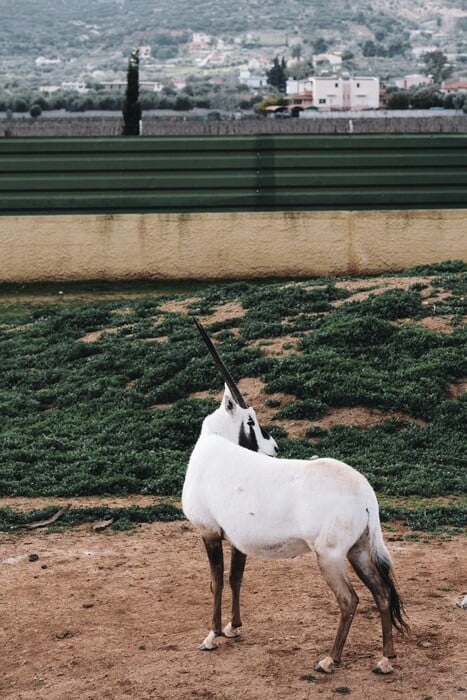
(110, 615)
(119, 615)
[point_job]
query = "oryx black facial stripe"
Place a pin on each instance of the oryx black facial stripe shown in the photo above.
(248, 440)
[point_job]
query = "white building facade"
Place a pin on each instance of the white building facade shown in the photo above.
(329, 93)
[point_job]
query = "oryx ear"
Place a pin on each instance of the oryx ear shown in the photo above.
(229, 402)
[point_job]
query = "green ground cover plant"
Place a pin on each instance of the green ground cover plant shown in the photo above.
(11, 519)
(114, 414)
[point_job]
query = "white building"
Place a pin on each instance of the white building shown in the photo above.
(329, 93)
(48, 90)
(121, 85)
(43, 61)
(78, 86)
(334, 59)
(454, 85)
(200, 42)
(144, 51)
(419, 51)
(251, 80)
(408, 81)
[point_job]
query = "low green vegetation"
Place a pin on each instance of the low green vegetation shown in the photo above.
(96, 395)
(124, 518)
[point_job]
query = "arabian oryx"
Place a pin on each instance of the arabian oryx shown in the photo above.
(235, 490)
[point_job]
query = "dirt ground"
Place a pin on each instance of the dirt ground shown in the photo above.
(114, 615)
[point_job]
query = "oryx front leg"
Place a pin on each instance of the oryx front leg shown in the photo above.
(216, 562)
(237, 567)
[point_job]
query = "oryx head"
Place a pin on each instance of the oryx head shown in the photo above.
(234, 419)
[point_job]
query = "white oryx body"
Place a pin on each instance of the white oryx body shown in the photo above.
(236, 490)
(277, 508)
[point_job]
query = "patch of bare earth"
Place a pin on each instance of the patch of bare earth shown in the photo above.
(439, 324)
(156, 339)
(27, 504)
(457, 388)
(363, 288)
(272, 347)
(16, 329)
(95, 335)
(178, 306)
(110, 616)
(382, 283)
(354, 415)
(223, 312)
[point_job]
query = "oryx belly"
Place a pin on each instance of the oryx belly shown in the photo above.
(285, 549)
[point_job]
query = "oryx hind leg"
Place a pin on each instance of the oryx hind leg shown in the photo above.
(362, 562)
(216, 562)
(332, 567)
(237, 567)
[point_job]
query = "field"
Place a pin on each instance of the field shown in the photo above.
(103, 390)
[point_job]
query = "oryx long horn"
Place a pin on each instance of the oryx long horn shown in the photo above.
(222, 368)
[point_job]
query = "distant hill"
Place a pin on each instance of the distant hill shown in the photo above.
(46, 24)
(90, 35)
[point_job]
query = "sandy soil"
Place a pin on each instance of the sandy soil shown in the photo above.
(119, 615)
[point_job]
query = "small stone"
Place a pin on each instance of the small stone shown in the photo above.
(33, 557)
(64, 634)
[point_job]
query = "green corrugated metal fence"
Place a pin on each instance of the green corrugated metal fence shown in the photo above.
(232, 173)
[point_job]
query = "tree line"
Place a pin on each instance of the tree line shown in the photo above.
(98, 100)
(202, 94)
(425, 97)
(419, 97)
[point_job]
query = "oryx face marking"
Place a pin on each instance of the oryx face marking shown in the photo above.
(248, 438)
(255, 438)
(234, 419)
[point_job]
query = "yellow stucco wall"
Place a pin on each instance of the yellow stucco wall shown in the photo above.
(209, 246)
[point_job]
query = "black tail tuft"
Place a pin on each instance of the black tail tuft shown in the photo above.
(396, 607)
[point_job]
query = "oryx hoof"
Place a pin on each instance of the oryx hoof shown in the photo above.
(208, 644)
(383, 666)
(231, 632)
(325, 665)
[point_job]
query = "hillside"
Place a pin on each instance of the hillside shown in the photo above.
(44, 24)
(103, 392)
(92, 40)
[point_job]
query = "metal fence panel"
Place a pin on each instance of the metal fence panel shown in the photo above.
(263, 172)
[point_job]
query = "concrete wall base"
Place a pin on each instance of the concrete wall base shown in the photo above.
(226, 245)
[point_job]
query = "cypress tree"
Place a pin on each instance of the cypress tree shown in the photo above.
(131, 107)
(277, 75)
